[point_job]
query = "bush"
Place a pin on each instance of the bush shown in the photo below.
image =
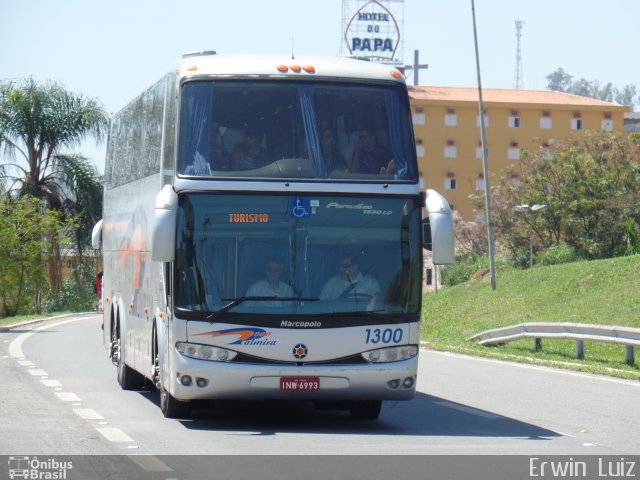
(463, 269)
(557, 254)
(77, 293)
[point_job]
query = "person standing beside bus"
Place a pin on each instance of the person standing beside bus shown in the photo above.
(98, 289)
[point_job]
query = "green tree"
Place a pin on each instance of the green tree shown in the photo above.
(38, 122)
(591, 186)
(24, 226)
(561, 81)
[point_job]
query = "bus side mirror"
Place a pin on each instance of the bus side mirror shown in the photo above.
(163, 240)
(96, 235)
(438, 229)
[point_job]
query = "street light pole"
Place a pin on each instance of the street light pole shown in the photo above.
(530, 210)
(485, 155)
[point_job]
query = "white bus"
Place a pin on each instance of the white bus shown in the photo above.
(263, 236)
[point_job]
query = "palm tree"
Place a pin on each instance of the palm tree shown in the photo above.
(38, 120)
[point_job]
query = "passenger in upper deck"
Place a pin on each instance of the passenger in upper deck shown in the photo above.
(333, 159)
(249, 154)
(368, 157)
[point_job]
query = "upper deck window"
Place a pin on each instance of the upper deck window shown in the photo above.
(298, 130)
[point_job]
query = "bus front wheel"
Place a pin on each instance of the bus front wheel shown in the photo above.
(172, 407)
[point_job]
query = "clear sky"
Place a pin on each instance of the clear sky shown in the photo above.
(112, 49)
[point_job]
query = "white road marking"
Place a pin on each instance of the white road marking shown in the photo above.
(51, 383)
(68, 397)
(15, 347)
(114, 434)
(88, 414)
(38, 372)
(150, 463)
(26, 363)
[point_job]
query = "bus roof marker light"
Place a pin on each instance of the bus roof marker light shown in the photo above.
(192, 68)
(296, 68)
(309, 69)
(396, 74)
(282, 68)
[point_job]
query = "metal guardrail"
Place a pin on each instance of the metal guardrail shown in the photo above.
(627, 336)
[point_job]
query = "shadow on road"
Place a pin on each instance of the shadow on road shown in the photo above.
(425, 415)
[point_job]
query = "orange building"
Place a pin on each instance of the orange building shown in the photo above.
(447, 130)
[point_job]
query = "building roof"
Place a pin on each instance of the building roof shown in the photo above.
(511, 97)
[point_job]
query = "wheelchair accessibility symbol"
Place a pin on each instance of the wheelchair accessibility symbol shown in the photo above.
(301, 207)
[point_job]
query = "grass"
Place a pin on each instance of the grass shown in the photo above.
(605, 292)
(25, 318)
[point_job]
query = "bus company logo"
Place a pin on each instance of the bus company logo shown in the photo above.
(290, 324)
(246, 336)
(33, 468)
(300, 351)
(349, 206)
(362, 207)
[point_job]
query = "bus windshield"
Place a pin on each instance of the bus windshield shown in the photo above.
(297, 255)
(274, 129)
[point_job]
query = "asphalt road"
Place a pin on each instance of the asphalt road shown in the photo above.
(59, 396)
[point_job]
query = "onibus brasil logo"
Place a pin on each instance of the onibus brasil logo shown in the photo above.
(34, 468)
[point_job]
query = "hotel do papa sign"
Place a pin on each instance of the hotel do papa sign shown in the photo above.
(373, 32)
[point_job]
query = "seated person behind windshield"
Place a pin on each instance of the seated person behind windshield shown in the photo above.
(368, 157)
(351, 283)
(270, 286)
(249, 154)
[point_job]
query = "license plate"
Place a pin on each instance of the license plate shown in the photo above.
(299, 384)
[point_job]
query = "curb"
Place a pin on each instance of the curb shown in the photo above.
(11, 326)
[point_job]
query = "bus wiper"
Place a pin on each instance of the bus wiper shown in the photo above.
(237, 301)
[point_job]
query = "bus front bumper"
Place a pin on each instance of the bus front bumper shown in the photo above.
(200, 379)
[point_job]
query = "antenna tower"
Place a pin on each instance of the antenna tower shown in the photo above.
(517, 77)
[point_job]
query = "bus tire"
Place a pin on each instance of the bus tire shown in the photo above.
(128, 378)
(366, 409)
(172, 407)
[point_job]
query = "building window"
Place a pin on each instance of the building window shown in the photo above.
(486, 120)
(606, 125)
(450, 151)
(451, 120)
(449, 183)
(479, 152)
(545, 120)
(545, 151)
(514, 122)
(514, 151)
(576, 121)
(419, 119)
(419, 148)
(480, 182)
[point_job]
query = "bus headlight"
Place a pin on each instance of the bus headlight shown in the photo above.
(391, 354)
(205, 352)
